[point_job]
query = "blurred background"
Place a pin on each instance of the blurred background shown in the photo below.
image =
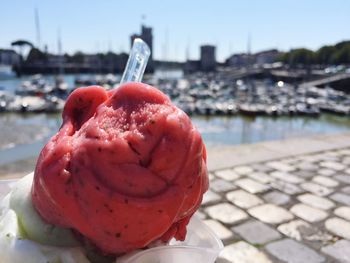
(245, 71)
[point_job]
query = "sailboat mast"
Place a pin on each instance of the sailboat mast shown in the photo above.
(37, 28)
(60, 55)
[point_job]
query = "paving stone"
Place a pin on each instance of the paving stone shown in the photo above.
(220, 185)
(226, 213)
(345, 152)
(200, 215)
(289, 160)
(332, 154)
(336, 152)
(346, 161)
(210, 197)
(339, 154)
(301, 230)
(329, 158)
(341, 198)
(261, 177)
(319, 156)
(326, 172)
(269, 213)
(325, 181)
(228, 175)
(287, 177)
(346, 189)
(340, 251)
(307, 166)
(310, 158)
(338, 226)
(333, 165)
(343, 211)
(291, 251)
(308, 213)
(242, 252)
(287, 188)
(211, 177)
(243, 170)
(277, 198)
(243, 199)
(219, 229)
(316, 188)
(304, 174)
(316, 201)
(256, 232)
(281, 166)
(251, 186)
(343, 178)
(347, 171)
(261, 168)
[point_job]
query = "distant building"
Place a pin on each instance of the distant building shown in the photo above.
(192, 66)
(208, 60)
(55, 60)
(92, 60)
(267, 56)
(120, 62)
(109, 62)
(260, 58)
(239, 60)
(146, 35)
(9, 57)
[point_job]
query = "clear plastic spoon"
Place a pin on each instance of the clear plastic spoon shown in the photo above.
(136, 65)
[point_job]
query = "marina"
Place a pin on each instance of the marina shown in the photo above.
(207, 94)
(228, 109)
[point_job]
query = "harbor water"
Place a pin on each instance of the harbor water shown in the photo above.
(23, 135)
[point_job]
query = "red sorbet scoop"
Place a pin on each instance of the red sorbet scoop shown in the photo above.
(126, 168)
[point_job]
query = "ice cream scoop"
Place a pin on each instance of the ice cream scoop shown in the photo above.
(126, 168)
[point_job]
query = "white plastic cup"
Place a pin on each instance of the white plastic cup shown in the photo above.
(200, 246)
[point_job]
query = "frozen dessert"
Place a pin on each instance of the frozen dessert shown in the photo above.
(127, 168)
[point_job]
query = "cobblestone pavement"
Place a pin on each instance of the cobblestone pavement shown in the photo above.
(294, 209)
(281, 201)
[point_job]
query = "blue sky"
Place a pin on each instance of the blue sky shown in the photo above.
(178, 25)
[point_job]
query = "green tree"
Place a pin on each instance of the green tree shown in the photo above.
(67, 57)
(324, 55)
(342, 44)
(284, 57)
(78, 57)
(301, 56)
(342, 56)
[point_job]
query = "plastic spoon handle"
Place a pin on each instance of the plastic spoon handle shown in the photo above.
(137, 62)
